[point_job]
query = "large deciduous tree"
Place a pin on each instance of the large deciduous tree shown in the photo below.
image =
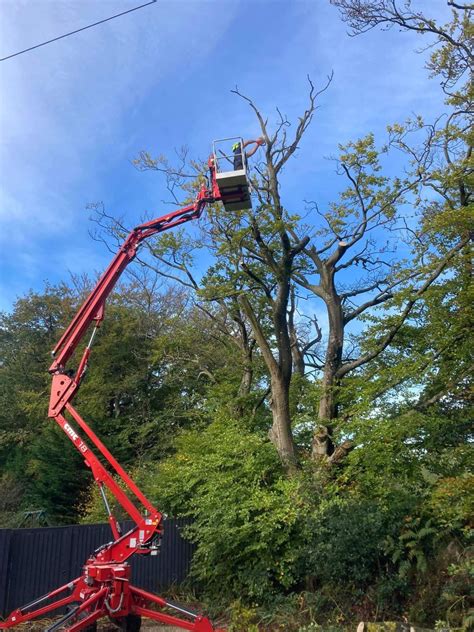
(267, 261)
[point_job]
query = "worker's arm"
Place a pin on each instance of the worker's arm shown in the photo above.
(258, 142)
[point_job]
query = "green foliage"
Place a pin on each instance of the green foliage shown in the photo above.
(11, 493)
(413, 545)
(148, 377)
(32, 458)
(458, 594)
(367, 525)
(242, 618)
(347, 538)
(57, 477)
(246, 512)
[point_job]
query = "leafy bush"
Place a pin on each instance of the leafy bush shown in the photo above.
(247, 513)
(347, 540)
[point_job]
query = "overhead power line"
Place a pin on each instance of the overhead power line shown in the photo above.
(55, 39)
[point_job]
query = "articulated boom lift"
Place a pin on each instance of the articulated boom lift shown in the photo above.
(104, 588)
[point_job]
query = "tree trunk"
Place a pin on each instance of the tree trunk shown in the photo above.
(280, 376)
(296, 352)
(246, 348)
(280, 433)
(244, 389)
(246, 380)
(323, 445)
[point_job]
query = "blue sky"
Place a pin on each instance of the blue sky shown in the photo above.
(74, 113)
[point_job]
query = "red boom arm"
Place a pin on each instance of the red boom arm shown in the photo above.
(65, 387)
(104, 588)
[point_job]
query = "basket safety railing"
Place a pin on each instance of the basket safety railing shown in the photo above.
(225, 159)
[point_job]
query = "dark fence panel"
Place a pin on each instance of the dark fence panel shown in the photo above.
(34, 561)
(5, 542)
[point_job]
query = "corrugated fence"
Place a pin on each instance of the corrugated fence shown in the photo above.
(34, 561)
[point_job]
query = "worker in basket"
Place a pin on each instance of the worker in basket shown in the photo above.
(238, 151)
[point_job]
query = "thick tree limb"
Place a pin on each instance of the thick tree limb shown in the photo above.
(259, 334)
(350, 366)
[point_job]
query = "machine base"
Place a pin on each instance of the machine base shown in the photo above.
(104, 590)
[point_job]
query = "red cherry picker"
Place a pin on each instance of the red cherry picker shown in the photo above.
(104, 588)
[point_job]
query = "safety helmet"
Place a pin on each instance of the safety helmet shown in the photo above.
(236, 146)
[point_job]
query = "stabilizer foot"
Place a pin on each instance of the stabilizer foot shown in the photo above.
(114, 598)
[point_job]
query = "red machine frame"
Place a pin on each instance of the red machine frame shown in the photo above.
(104, 588)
